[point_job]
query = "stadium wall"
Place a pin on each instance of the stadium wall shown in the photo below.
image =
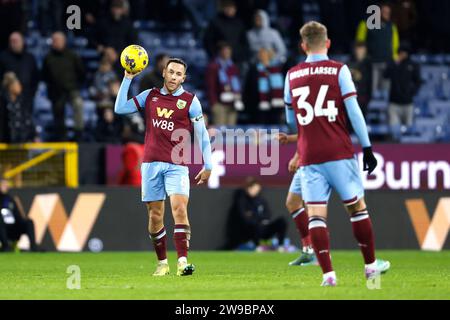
(113, 218)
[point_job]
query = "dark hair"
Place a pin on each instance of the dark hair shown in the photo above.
(250, 182)
(359, 44)
(226, 3)
(159, 57)
(117, 4)
(179, 61)
(384, 4)
(222, 44)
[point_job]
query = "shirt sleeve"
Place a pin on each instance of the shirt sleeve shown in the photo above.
(346, 84)
(287, 92)
(200, 131)
(195, 110)
(139, 100)
(357, 120)
(124, 106)
(290, 113)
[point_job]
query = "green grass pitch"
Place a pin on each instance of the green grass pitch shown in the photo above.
(220, 275)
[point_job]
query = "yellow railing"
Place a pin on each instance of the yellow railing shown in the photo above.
(40, 164)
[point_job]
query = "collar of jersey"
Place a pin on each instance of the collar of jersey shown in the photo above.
(176, 93)
(316, 57)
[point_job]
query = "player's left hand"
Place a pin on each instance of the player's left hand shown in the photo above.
(293, 165)
(282, 138)
(369, 160)
(203, 175)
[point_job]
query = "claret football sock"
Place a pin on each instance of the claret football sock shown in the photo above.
(300, 217)
(181, 237)
(159, 243)
(362, 230)
(321, 242)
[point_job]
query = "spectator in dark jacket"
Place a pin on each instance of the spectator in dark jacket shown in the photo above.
(23, 64)
(13, 222)
(229, 28)
(382, 44)
(250, 218)
(224, 87)
(361, 69)
(154, 78)
(16, 123)
(405, 83)
(116, 30)
(109, 127)
(64, 73)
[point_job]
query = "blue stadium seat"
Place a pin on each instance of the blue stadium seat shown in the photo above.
(434, 73)
(378, 129)
(415, 139)
(439, 108)
(379, 105)
(432, 128)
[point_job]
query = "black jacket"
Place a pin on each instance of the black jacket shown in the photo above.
(379, 42)
(151, 80)
(248, 210)
(405, 81)
(62, 71)
(117, 34)
(24, 66)
(11, 215)
(362, 76)
(230, 30)
(16, 122)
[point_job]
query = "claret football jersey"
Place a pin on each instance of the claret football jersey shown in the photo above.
(166, 114)
(314, 92)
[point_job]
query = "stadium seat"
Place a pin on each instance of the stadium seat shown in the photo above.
(434, 73)
(432, 128)
(379, 105)
(439, 108)
(378, 129)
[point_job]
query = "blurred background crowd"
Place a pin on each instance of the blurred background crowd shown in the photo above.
(59, 84)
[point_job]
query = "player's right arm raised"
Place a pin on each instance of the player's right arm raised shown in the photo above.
(125, 106)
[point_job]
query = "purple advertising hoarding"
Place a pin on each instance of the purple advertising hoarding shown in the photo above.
(400, 167)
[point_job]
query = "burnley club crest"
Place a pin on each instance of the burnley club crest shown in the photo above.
(181, 104)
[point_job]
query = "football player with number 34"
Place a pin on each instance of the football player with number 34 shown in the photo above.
(169, 111)
(317, 94)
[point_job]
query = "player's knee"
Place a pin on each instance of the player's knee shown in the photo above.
(155, 215)
(291, 207)
(179, 211)
(358, 206)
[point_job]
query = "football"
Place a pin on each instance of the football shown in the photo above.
(134, 58)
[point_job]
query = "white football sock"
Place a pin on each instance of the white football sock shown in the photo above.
(331, 274)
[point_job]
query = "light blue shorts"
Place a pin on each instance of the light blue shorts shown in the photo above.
(161, 178)
(342, 175)
(296, 184)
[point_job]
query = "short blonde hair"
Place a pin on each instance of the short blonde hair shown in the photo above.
(314, 34)
(8, 79)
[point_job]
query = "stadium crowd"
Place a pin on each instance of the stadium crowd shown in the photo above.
(249, 44)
